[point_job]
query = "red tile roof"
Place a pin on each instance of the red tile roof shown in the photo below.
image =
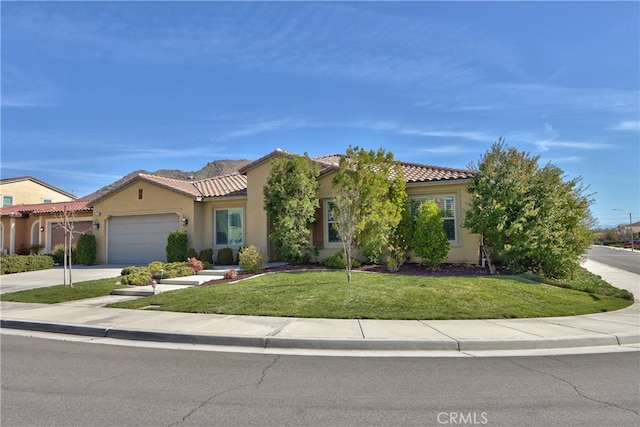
(45, 208)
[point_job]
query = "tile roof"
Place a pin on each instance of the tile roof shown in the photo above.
(45, 208)
(217, 186)
(413, 172)
(224, 185)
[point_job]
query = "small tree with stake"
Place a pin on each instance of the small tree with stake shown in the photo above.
(67, 223)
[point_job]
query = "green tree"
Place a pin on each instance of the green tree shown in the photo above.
(430, 240)
(399, 242)
(290, 200)
(530, 217)
(364, 214)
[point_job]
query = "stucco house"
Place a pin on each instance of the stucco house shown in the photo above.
(26, 190)
(38, 225)
(131, 222)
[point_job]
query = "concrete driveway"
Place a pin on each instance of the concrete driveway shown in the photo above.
(43, 278)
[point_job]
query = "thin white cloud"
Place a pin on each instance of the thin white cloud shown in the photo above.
(447, 149)
(632, 125)
(545, 145)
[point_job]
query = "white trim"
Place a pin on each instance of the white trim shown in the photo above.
(325, 227)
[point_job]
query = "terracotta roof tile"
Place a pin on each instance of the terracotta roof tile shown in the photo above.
(225, 185)
(45, 208)
(179, 185)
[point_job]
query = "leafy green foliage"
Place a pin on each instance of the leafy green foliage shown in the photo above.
(429, 238)
(337, 260)
(21, 263)
(192, 253)
(136, 276)
(251, 259)
(290, 200)
(363, 210)
(58, 254)
(529, 217)
(177, 246)
(87, 249)
(399, 242)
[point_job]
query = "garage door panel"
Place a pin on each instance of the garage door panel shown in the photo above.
(139, 239)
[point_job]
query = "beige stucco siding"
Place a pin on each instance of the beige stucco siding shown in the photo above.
(29, 192)
(256, 217)
(155, 200)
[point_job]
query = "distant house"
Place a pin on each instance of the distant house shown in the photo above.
(30, 214)
(133, 219)
(27, 190)
(23, 227)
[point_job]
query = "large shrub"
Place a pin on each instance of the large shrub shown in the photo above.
(430, 240)
(531, 217)
(21, 263)
(251, 259)
(291, 200)
(177, 246)
(86, 249)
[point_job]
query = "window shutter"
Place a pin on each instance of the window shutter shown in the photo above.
(318, 226)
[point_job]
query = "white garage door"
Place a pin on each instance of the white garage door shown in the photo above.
(139, 239)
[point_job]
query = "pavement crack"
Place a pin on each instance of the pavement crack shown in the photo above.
(576, 389)
(215, 396)
(264, 371)
(205, 402)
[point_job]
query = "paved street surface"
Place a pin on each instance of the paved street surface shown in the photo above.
(623, 259)
(57, 383)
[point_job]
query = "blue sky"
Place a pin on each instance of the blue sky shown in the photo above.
(94, 90)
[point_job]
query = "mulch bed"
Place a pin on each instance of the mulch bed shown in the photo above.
(412, 269)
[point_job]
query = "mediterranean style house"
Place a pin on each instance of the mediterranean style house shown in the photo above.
(131, 222)
(30, 214)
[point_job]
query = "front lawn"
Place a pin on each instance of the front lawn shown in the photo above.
(60, 293)
(326, 294)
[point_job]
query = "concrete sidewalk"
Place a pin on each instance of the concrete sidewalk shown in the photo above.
(89, 318)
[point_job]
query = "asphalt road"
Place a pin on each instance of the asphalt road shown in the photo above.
(50, 382)
(622, 259)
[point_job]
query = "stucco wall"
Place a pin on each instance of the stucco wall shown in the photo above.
(29, 192)
(155, 200)
(256, 217)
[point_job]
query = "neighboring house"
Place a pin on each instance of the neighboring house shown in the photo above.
(624, 230)
(38, 225)
(133, 220)
(27, 190)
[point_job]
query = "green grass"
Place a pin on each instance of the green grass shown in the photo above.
(326, 294)
(60, 293)
(585, 281)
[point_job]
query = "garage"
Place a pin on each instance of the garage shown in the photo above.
(139, 239)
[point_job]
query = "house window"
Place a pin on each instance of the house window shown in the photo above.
(7, 200)
(228, 227)
(47, 201)
(140, 193)
(447, 211)
(332, 233)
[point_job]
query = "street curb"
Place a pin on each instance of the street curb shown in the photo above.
(461, 345)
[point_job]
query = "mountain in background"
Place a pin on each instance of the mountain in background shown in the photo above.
(212, 169)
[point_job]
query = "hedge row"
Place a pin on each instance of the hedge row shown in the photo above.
(21, 263)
